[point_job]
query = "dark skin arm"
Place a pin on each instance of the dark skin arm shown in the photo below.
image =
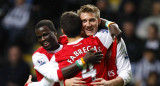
(115, 31)
(90, 57)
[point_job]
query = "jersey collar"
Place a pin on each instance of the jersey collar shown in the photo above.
(71, 43)
(54, 51)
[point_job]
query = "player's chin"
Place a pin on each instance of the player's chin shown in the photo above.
(89, 33)
(48, 48)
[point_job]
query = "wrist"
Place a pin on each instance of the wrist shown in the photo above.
(108, 23)
(80, 63)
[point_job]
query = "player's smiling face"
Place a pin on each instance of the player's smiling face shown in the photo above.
(90, 23)
(46, 38)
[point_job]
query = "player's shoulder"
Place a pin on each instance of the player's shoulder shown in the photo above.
(40, 57)
(103, 34)
(40, 50)
(63, 39)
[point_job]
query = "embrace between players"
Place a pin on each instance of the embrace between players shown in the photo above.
(86, 55)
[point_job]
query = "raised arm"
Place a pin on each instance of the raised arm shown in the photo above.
(114, 29)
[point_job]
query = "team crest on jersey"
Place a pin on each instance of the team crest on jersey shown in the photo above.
(111, 73)
(104, 30)
(41, 61)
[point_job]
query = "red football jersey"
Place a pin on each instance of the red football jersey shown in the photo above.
(110, 60)
(73, 52)
(48, 55)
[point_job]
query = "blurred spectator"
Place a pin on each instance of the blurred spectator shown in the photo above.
(152, 41)
(153, 19)
(128, 10)
(4, 7)
(146, 65)
(105, 10)
(15, 21)
(145, 8)
(15, 72)
(133, 43)
(114, 5)
(153, 79)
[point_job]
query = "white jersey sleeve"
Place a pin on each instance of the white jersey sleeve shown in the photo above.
(39, 59)
(43, 82)
(105, 37)
(46, 68)
(123, 63)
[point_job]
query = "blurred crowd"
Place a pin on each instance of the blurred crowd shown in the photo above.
(138, 19)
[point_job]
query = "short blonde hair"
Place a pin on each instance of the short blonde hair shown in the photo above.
(89, 8)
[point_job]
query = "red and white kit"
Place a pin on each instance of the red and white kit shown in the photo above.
(73, 51)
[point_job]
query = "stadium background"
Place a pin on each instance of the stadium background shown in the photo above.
(138, 19)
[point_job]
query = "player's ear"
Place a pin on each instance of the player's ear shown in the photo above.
(62, 31)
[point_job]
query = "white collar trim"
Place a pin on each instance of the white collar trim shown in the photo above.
(54, 51)
(75, 41)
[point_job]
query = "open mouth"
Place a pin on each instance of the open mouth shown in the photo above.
(46, 44)
(89, 29)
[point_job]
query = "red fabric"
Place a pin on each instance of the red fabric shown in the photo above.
(60, 75)
(49, 56)
(111, 61)
(39, 76)
(63, 40)
(26, 84)
(70, 53)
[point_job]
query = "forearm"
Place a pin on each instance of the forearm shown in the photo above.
(51, 71)
(118, 81)
(70, 70)
(105, 24)
(126, 76)
(112, 27)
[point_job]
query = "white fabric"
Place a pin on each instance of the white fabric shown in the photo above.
(123, 63)
(49, 70)
(152, 44)
(141, 30)
(43, 82)
(144, 67)
(41, 63)
(105, 37)
(18, 17)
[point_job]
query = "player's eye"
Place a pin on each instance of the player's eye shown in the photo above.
(84, 21)
(92, 20)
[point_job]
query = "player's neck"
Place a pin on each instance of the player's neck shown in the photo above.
(73, 39)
